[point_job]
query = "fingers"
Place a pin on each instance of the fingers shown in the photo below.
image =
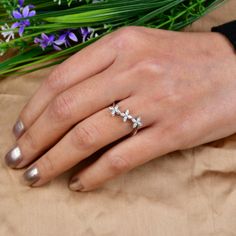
(84, 139)
(77, 68)
(67, 109)
(130, 153)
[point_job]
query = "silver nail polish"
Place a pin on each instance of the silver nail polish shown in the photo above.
(31, 175)
(75, 185)
(18, 128)
(13, 157)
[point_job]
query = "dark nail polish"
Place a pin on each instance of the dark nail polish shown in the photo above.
(13, 157)
(75, 184)
(31, 175)
(18, 129)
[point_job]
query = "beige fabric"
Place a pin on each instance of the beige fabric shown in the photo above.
(185, 193)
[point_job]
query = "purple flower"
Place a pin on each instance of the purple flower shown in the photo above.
(85, 33)
(21, 25)
(45, 40)
(22, 13)
(65, 38)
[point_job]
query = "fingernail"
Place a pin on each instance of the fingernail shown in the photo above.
(13, 157)
(31, 175)
(18, 128)
(75, 184)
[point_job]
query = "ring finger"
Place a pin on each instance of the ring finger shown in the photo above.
(67, 109)
(83, 140)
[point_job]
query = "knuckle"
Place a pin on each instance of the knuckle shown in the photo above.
(177, 136)
(56, 80)
(84, 136)
(127, 30)
(26, 116)
(184, 138)
(174, 141)
(117, 164)
(61, 107)
(46, 165)
(30, 140)
(125, 37)
(149, 66)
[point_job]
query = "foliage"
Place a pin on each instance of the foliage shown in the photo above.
(47, 32)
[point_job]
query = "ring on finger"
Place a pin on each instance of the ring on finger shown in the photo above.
(126, 116)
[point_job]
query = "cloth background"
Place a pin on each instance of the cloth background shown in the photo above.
(184, 193)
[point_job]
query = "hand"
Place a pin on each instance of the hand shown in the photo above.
(182, 85)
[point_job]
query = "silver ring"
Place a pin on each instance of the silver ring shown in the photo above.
(126, 116)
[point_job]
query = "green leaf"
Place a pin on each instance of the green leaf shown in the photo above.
(103, 17)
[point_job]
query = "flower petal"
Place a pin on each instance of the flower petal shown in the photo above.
(43, 45)
(26, 23)
(25, 11)
(32, 13)
(16, 14)
(44, 37)
(59, 42)
(8, 38)
(51, 39)
(83, 31)
(73, 37)
(15, 25)
(56, 47)
(37, 40)
(21, 30)
(62, 37)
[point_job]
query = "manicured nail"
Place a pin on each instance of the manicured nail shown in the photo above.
(75, 184)
(13, 157)
(31, 175)
(18, 128)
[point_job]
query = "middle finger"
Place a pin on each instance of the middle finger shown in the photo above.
(68, 108)
(84, 139)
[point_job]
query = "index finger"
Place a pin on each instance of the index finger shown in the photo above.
(77, 68)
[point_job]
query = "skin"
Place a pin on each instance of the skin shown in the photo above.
(181, 84)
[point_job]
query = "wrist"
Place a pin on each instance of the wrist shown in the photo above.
(228, 30)
(221, 48)
(221, 43)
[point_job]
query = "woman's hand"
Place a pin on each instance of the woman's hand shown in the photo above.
(182, 85)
